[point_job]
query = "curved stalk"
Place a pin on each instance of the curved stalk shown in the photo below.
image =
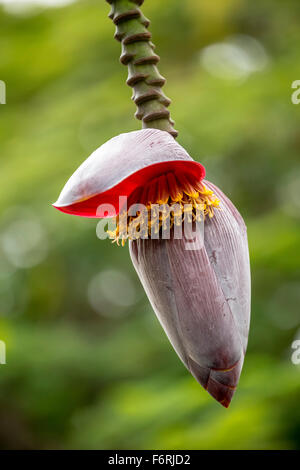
(143, 75)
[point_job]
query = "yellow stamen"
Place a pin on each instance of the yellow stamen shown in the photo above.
(168, 199)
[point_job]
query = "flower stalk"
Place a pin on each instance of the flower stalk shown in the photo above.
(139, 56)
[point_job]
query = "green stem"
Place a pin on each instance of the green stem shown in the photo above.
(143, 75)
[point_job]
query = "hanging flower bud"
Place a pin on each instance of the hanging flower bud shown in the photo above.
(201, 295)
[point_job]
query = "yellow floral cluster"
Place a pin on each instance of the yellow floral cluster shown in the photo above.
(171, 207)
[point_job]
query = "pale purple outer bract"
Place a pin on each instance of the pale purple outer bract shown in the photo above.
(202, 297)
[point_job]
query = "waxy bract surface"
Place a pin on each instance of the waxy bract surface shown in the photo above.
(202, 296)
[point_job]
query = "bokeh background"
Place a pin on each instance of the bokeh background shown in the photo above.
(88, 365)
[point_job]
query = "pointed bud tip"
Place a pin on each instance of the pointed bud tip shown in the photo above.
(225, 403)
(220, 384)
(220, 392)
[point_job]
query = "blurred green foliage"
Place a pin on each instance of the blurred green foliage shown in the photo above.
(82, 373)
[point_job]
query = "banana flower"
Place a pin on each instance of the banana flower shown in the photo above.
(201, 296)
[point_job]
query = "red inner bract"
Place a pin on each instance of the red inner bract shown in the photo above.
(89, 207)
